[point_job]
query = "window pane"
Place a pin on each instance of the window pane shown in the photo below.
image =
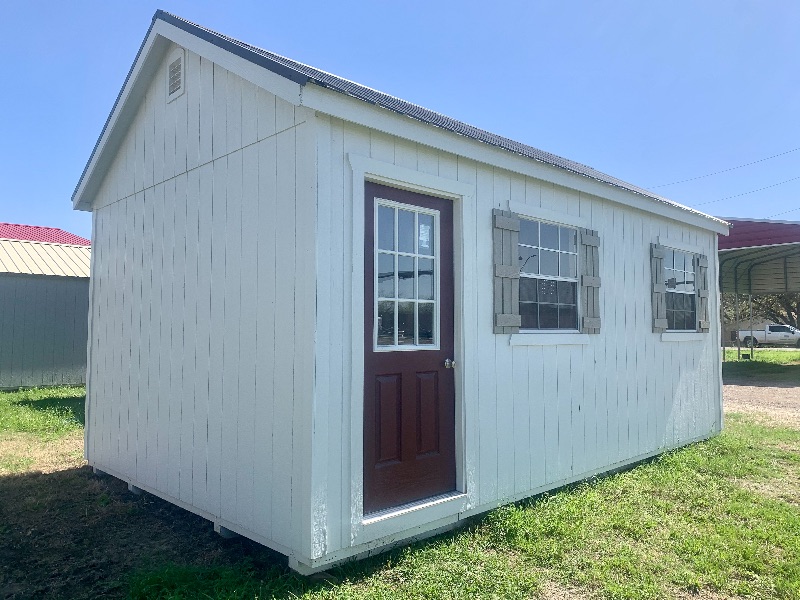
(569, 239)
(405, 323)
(549, 262)
(669, 258)
(405, 277)
(670, 301)
(530, 315)
(385, 323)
(405, 231)
(527, 289)
(425, 281)
(426, 233)
(569, 265)
(386, 275)
(548, 316)
(670, 319)
(549, 237)
(548, 290)
(679, 260)
(529, 232)
(528, 260)
(425, 323)
(566, 292)
(567, 317)
(385, 228)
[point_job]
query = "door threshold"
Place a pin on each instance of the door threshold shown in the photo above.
(404, 509)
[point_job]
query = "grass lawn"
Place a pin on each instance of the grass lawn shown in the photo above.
(775, 365)
(715, 520)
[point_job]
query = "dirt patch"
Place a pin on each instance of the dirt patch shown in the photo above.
(778, 405)
(66, 533)
(29, 453)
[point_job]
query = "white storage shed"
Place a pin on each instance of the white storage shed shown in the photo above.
(331, 320)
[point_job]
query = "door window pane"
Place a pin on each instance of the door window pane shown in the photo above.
(405, 231)
(385, 275)
(425, 310)
(385, 228)
(425, 280)
(405, 323)
(405, 277)
(426, 235)
(386, 323)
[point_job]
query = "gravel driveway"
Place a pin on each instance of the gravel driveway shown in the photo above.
(774, 403)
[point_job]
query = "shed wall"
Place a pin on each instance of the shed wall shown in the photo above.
(202, 304)
(545, 414)
(43, 330)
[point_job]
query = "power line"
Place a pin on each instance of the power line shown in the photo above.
(750, 192)
(726, 170)
(786, 212)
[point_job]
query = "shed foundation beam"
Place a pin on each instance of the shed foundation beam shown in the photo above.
(225, 532)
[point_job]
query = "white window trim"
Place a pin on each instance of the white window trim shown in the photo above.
(548, 337)
(552, 216)
(674, 244)
(436, 283)
(683, 336)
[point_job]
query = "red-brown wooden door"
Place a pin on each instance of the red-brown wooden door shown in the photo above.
(409, 392)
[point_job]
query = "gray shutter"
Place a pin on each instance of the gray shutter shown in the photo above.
(659, 289)
(701, 286)
(506, 272)
(589, 262)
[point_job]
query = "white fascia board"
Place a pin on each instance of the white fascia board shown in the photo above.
(362, 113)
(155, 45)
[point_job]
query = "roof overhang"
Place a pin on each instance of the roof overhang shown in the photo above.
(771, 269)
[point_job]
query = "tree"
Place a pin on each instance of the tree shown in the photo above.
(776, 308)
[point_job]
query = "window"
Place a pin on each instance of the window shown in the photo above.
(780, 329)
(679, 278)
(406, 276)
(548, 271)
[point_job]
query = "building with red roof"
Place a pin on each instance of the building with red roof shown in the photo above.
(39, 233)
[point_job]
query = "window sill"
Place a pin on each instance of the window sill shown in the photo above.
(549, 339)
(683, 336)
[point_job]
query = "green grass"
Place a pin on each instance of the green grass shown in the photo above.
(766, 355)
(47, 412)
(711, 517)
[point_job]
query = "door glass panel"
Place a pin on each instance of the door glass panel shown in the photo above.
(385, 228)
(425, 235)
(385, 275)
(406, 306)
(405, 323)
(426, 323)
(425, 278)
(386, 323)
(405, 231)
(405, 277)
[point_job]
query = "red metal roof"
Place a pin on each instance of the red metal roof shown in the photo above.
(37, 233)
(749, 234)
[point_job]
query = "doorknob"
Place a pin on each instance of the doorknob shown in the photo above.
(449, 364)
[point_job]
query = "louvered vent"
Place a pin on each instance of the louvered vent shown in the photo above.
(175, 76)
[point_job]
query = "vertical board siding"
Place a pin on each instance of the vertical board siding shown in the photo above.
(199, 381)
(545, 414)
(44, 325)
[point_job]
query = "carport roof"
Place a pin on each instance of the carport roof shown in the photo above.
(760, 257)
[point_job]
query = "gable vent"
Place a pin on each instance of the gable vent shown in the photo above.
(175, 76)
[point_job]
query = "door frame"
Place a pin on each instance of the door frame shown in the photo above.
(442, 509)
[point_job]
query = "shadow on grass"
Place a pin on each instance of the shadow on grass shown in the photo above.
(72, 405)
(761, 374)
(73, 534)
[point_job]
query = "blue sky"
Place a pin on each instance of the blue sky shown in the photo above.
(650, 92)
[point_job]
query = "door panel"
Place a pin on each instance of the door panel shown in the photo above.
(409, 395)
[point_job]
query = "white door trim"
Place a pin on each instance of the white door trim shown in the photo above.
(463, 196)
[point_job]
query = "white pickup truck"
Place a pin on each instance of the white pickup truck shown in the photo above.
(779, 335)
